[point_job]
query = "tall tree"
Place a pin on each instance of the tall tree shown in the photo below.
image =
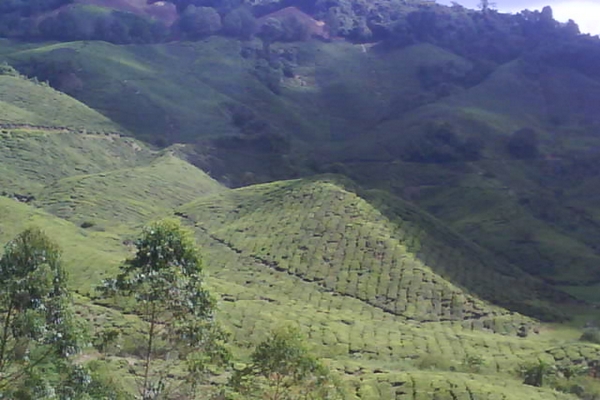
(165, 281)
(37, 326)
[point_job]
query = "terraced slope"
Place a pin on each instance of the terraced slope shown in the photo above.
(324, 234)
(366, 115)
(158, 90)
(367, 345)
(130, 196)
(381, 354)
(378, 349)
(395, 300)
(32, 158)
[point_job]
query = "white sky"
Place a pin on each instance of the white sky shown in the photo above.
(585, 12)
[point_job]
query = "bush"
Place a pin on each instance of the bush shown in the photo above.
(6, 69)
(591, 335)
(535, 373)
(240, 23)
(441, 144)
(199, 22)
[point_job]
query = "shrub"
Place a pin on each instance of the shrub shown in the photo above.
(591, 335)
(535, 373)
(240, 23)
(199, 22)
(440, 144)
(6, 69)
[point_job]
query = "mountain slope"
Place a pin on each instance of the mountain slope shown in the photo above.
(23, 102)
(377, 349)
(324, 234)
(87, 255)
(32, 157)
(131, 196)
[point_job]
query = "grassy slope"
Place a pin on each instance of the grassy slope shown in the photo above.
(31, 159)
(271, 272)
(377, 351)
(184, 91)
(180, 90)
(522, 211)
(25, 102)
(87, 255)
(383, 355)
(324, 234)
(130, 196)
(155, 90)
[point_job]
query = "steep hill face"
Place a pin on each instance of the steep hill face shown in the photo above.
(324, 234)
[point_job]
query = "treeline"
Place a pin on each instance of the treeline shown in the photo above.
(84, 22)
(502, 36)
(489, 35)
(28, 8)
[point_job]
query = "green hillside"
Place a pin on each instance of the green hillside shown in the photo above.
(345, 274)
(87, 255)
(379, 353)
(416, 191)
(130, 196)
(24, 102)
(33, 157)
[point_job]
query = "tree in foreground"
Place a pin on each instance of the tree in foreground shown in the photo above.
(38, 334)
(164, 280)
(282, 368)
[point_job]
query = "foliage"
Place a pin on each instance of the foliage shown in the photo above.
(473, 363)
(535, 373)
(28, 8)
(38, 327)
(199, 22)
(288, 29)
(240, 23)
(441, 144)
(165, 281)
(89, 23)
(282, 368)
(6, 69)
(591, 335)
(486, 5)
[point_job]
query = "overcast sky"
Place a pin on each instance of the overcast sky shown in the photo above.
(585, 12)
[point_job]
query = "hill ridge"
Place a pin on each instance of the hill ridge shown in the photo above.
(233, 229)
